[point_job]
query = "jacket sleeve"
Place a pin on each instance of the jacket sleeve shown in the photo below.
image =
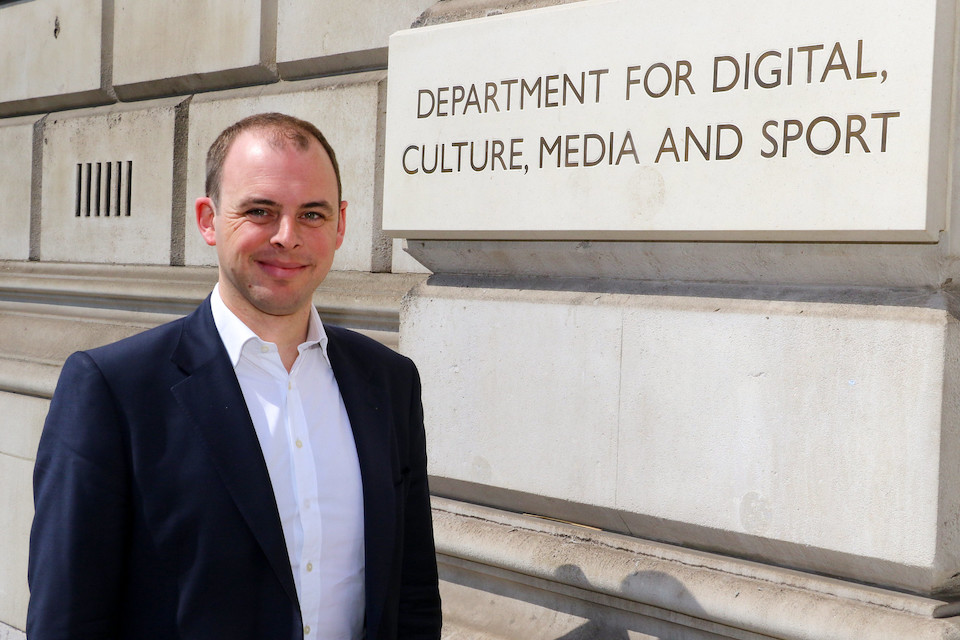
(81, 498)
(419, 616)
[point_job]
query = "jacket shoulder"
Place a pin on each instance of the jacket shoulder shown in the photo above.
(194, 334)
(142, 347)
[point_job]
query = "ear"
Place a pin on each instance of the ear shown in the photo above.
(205, 220)
(341, 222)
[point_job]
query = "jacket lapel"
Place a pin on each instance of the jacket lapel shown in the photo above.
(370, 420)
(212, 397)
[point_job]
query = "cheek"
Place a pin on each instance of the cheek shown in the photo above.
(244, 238)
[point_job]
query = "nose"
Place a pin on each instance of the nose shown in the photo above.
(286, 235)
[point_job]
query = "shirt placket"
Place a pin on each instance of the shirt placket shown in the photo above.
(305, 482)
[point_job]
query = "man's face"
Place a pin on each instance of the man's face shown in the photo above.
(277, 228)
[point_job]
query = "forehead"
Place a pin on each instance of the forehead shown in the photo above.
(270, 153)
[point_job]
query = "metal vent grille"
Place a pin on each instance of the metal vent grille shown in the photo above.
(104, 189)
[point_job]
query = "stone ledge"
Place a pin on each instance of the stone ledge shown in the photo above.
(251, 75)
(659, 581)
(61, 102)
(28, 377)
(65, 307)
(456, 10)
(810, 264)
(359, 300)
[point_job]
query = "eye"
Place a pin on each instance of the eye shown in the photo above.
(313, 217)
(257, 214)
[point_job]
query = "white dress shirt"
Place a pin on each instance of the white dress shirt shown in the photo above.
(311, 457)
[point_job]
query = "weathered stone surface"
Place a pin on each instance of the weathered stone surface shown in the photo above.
(162, 48)
(343, 34)
(761, 263)
(815, 424)
(505, 575)
(445, 11)
(403, 262)
(16, 178)
(490, 405)
(51, 55)
(107, 174)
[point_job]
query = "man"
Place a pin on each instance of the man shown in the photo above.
(243, 472)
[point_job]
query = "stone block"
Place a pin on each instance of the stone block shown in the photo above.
(512, 398)
(344, 34)
(50, 53)
(819, 425)
(177, 47)
(16, 178)
(107, 176)
(814, 434)
(345, 109)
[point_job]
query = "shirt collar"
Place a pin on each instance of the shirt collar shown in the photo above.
(235, 334)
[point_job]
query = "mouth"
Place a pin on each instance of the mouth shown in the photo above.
(281, 269)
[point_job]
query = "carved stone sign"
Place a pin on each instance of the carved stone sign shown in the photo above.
(619, 119)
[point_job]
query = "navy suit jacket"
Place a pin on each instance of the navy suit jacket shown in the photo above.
(155, 516)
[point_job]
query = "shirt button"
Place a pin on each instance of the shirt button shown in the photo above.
(309, 566)
(299, 444)
(264, 348)
(306, 630)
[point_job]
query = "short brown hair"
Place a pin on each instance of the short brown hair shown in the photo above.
(284, 129)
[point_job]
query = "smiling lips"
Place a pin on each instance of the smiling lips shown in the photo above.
(281, 268)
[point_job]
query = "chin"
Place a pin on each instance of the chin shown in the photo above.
(275, 306)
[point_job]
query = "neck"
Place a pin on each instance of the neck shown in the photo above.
(286, 331)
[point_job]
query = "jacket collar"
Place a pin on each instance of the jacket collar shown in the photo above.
(211, 395)
(371, 419)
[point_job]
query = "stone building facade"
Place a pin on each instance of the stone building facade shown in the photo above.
(628, 438)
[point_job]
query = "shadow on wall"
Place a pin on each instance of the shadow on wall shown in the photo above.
(593, 630)
(663, 591)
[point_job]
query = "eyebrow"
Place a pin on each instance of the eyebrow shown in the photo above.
(319, 204)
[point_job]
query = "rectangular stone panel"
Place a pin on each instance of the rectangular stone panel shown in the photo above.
(814, 424)
(50, 51)
(651, 120)
(176, 47)
(512, 397)
(107, 184)
(343, 34)
(16, 177)
(346, 111)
